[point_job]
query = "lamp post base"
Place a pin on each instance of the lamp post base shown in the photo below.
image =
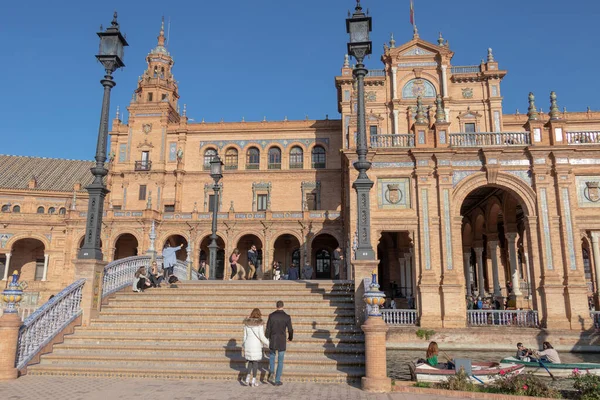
(376, 379)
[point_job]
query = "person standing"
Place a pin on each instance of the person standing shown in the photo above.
(169, 259)
(307, 271)
(252, 261)
(293, 273)
(254, 339)
(236, 268)
(279, 321)
(337, 262)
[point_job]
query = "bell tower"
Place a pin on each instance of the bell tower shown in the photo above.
(157, 84)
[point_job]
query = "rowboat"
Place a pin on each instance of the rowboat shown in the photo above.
(483, 372)
(559, 370)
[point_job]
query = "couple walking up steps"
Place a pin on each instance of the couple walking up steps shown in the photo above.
(275, 338)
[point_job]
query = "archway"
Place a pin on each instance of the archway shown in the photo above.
(126, 246)
(204, 256)
(395, 269)
(243, 245)
(494, 236)
(286, 251)
(177, 240)
(28, 259)
(323, 246)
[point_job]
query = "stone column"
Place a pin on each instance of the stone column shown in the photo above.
(396, 121)
(7, 266)
(493, 246)
(480, 283)
(188, 260)
(444, 82)
(467, 268)
(91, 297)
(45, 274)
(595, 250)
(409, 276)
(394, 90)
(511, 238)
(9, 332)
(527, 272)
(375, 379)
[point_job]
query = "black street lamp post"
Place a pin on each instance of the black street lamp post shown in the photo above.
(112, 45)
(359, 26)
(216, 172)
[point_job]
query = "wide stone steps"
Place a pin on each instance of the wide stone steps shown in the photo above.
(195, 331)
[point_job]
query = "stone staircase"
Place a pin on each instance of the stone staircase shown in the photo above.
(195, 331)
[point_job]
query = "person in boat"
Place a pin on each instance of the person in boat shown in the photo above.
(548, 354)
(523, 353)
(432, 357)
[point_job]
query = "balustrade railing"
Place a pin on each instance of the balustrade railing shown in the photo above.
(376, 72)
(180, 271)
(47, 321)
(465, 69)
(120, 273)
(520, 318)
(596, 317)
(583, 137)
(482, 139)
(400, 140)
(400, 317)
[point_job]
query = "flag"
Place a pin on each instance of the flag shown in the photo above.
(412, 13)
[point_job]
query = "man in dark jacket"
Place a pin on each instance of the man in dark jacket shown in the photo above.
(277, 324)
(252, 261)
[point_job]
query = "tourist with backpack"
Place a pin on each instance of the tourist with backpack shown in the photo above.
(252, 345)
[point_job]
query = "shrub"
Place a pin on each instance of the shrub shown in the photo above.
(587, 385)
(523, 385)
(459, 381)
(423, 384)
(424, 333)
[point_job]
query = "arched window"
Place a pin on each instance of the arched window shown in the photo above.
(296, 158)
(41, 210)
(51, 210)
(231, 159)
(6, 208)
(253, 158)
(62, 211)
(319, 157)
(274, 158)
(208, 156)
(17, 209)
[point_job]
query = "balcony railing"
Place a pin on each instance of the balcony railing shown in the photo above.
(252, 166)
(231, 167)
(376, 72)
(465, 69)
(402, 140)
(519, 318)
(296, 165)
(482, 139)
(143, 165)
(583, 137)
(400, 317)
(274, 165)
(596, 317)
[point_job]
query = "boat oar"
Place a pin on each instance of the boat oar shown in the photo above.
(547, 370)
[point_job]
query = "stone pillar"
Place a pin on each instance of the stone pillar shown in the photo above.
(444, 81)
(528, 273)
(511, 239)
(493, 247)
(394, 89)
(409, 276)
(188, 260)
(45, 274)
(396, 121)
(362, 269)
(480, 285)
(7, 266)
(467, 268)
(91, 298)
(9, 332)
(595, 250)
(375, 379)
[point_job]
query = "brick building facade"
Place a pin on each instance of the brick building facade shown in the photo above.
(467, 200)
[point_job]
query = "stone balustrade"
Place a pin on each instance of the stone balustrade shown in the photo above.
(583, 137)
(119, 273)
(47, 321)
(394, 140)
(519, 318)
(486, 139)
(465, 69)
(400, 317)
(246, 215)
(375, 72)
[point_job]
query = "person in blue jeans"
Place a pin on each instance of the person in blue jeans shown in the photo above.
(279, 322)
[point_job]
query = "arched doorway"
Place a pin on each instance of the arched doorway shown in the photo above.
(204, 256)
(395, 269)
(126, 246)
(286, 250)
(323, 246)
(177, 240)
(495, 247)
(29, 260)
(243, 245)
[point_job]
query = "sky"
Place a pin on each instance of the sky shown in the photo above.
(268, 58)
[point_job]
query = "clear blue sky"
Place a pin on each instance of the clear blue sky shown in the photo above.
(272, 58)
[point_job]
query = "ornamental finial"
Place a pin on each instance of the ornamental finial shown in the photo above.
(440, 40)
(490, 56)
(392, 41)
(554, 112)
(532, 111)
(117, 117)
(420, 118)
(440, 114)
(346, 61)
(114, 21)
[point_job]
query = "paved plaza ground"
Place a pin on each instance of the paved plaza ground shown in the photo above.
(76, 388)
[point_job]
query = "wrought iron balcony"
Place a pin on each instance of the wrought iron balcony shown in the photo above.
(486, 139)
(143, 165)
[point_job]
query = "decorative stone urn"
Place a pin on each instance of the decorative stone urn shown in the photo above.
(374, 298)
(13, 294)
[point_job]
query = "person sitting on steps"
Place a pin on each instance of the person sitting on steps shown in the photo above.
(140, 282)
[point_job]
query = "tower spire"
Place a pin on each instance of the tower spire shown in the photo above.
(161, 35)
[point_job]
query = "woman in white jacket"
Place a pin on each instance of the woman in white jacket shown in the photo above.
(254, 339)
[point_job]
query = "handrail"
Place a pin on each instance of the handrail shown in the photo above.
(399, 317)
(47, 321)
(180, 271)
(522, 318)
(119, 273)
